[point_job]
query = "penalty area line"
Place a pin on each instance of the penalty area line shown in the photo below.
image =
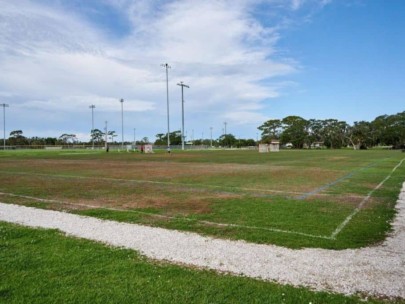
(362, 203)
(172, 217)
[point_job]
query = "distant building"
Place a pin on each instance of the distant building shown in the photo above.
(274, 146)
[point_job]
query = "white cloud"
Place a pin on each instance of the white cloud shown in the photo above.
(60, 61)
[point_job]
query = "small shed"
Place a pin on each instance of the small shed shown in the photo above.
(264, 148)
(274, 146)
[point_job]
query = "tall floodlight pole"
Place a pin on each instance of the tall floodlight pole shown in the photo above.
(122, 123)
(4, 105)
(182, 112)
(106, 135)
(211, 135)
(225, 123)
(167, 67)
(134, 136)
(92, 123)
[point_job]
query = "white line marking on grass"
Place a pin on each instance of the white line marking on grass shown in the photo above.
(328, 185)
(362, 203)
(156, 182)
(172, 217)
(199, 186)
(80, 153)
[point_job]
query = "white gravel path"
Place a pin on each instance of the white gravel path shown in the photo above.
(378, 271)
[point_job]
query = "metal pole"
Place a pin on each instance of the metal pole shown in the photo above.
(4, 105)
(106, 135)
(225, 128)
(211, 136)
(122, 123)
(92, 124)
(167, 67)
(182, 112)
(134, 136)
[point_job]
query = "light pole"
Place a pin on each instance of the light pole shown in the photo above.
(225, 123)
(106, 135)
(122, 123)
(211, 135)
(182, 112)
(4, 105)
(92, 124)
(134, 137)
(167, 67)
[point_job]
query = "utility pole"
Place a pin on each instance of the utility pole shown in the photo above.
(167, 67)
(4, 105)
(211, 135)
(106, 135)
(122, 123)
(182, 112)
(92, 123)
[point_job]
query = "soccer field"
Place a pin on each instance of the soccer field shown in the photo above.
(326, 198)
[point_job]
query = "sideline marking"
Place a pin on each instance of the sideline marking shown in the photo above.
(350, 174)
(196, 186)
(360, 206)
(171, 217)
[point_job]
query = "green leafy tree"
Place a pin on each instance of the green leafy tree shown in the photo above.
(97, 136)
(175, 138)
(17, 139)
(271, 129)
(295, 131)
(227, 140)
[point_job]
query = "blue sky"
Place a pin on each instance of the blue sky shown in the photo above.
(245, 61)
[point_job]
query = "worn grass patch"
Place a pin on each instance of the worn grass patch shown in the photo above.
(291, 198)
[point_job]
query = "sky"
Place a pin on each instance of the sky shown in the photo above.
(245, 61)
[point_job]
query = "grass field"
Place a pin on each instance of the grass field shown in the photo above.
(328, 199)
(44, 266)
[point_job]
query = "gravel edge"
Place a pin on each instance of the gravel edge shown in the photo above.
(376, 271)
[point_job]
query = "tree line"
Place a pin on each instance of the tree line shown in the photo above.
(225, 140)
(384, 130)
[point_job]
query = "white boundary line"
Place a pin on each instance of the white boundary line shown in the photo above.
(172, 217)
(257, 190)
(362, 203)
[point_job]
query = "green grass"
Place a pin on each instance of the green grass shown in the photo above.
(44, 266)
(291, 198)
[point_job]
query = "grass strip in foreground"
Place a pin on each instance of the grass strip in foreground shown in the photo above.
(43, 266)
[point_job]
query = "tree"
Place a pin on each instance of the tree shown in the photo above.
(68, 138)
(271, 129)
(16, 138)
(111, 134)
(359, 134)
(295, 131)
(97, 136)
(175, 138)
(334, 133)
(227, 140)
